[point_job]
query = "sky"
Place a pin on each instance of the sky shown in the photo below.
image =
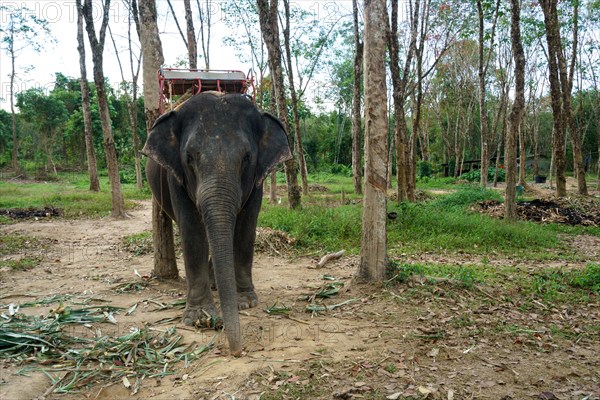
(59, 53)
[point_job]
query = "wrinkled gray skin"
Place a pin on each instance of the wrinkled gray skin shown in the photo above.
(207, 162)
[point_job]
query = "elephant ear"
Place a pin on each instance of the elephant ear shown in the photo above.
(162, 145)
(273, 147)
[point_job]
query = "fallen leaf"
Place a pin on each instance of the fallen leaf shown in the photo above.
(450, 394)
(433, 352)
(424, 391)
(126, 382)
(394, 396)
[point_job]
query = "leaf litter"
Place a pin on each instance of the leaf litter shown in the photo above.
(72, 360)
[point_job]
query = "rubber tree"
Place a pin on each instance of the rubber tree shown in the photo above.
(97, 46)
(373, 255)
(85, 104)
(516, 112)
(269, 26)
(165, 265)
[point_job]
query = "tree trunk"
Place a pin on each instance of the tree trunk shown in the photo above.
(522, 156)
(390, 163)
(191, 35)
(482, 71)
(549, 8)
(273, 179)
(205, 38)
(15, 148)
(516, 112)
(85, 105)
(131, 100)
(294, 98)
(269, 27)
(373, 261)
(165, 266)
(356, 116)
(97, 46)
(399, 84)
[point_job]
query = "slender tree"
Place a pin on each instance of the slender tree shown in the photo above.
(294, 99)
(561, 84)
(400, 83)
(373, 256)
(130, 95)
(484, 62)
(97, 46)
(189, 38)
(205, 30)
(191, 35)
(356, 104)
(268, 16)
(165, 265)
(516, 112)
(85, 104)
(23, 30)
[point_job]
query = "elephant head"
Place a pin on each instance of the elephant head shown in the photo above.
(219, 148)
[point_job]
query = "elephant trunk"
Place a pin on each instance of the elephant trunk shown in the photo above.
(219, 213)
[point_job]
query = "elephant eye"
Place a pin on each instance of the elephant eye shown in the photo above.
(190, 158)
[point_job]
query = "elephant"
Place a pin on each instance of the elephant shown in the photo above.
(207, 161)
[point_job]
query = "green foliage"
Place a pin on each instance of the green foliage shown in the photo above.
(425, 169)
(466, 196)
(475, 175)
(317, 227)
(558, 284)
(401, 273)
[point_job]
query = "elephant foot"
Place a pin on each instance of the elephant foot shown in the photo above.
(202, 317)
(247, 300)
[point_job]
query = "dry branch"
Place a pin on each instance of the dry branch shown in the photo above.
(328, 257)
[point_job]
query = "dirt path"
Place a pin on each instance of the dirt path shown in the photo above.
(428, 341)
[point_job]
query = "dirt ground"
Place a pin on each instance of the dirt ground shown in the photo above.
(397, 342)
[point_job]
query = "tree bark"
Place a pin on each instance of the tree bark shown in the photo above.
(356, 98)
(165, 265)
(522, 156)
(373, 261)
(516, 112)
(85, 105)
(97, 46)
(294, 99)
(269, 27)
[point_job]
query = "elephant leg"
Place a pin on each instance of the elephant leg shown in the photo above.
(245, 235)
(200, 308)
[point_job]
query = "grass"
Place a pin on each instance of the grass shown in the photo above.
(70, 193)
(441, 225)
(11, 245)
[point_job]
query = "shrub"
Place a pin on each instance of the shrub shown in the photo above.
(425, 169)
(475, 175)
